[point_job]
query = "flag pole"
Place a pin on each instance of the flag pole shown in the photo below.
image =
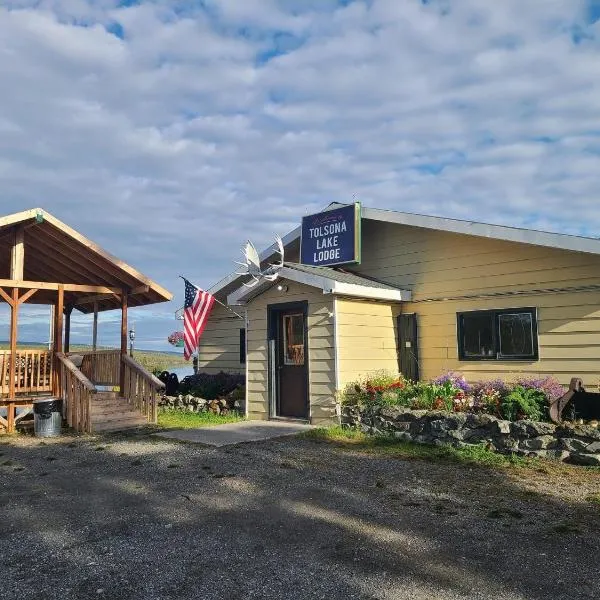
(217, 300)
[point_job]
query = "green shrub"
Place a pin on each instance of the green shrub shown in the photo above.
(522, 403)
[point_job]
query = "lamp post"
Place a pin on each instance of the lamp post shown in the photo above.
(131, 340)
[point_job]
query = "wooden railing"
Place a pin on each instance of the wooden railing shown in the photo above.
(33, 372)
(76, 391)
(101, 366)
(141, 388)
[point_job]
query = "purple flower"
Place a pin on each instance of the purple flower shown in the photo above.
(457, 380)
(549, 386)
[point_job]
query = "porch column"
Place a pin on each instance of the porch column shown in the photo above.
(58, 337)
(124, 302)
(95, 328)
(68, 312)
(14, 319)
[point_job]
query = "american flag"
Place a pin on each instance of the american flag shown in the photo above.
(196, 311)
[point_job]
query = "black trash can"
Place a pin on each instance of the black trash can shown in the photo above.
(47, 417)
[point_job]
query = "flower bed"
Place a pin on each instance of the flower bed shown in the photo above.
(524, 398)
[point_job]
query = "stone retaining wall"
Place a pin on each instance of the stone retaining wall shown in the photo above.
(192, 403)
(577, 444)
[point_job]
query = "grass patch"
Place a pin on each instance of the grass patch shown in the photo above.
(181, 419)
(594, 499)
(389, 446)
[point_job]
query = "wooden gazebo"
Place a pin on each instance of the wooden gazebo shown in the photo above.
(43, 261)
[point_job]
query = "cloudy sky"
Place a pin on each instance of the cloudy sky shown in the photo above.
(170, 131)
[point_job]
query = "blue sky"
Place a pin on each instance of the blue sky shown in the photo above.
(169, 132)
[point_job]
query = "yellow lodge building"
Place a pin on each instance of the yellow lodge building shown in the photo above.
(364, 289)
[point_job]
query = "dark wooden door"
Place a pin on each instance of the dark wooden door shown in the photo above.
(292, 367)
(408, 342)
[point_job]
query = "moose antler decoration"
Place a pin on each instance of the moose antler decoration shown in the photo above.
(252, 265)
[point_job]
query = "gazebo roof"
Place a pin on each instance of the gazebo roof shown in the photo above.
(56, 254)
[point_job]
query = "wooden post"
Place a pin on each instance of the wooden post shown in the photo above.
(58, 337)
(68, 311)
(95, 328)
(17, 262)
(123, 339)
(14, 319)
(60, 307)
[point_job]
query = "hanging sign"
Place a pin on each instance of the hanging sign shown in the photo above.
(331, 237)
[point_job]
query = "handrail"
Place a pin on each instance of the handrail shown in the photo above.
(76, 390)
(153, 380)
(140, 388)
(87, 384)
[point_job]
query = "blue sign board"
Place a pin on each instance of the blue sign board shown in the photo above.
(331, 237)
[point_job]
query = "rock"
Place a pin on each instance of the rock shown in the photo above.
(556, 455)
(588, 460)
(449, 422)
(583, 431)
(593, 448)
(391, 412)
(573, 445)
(531, 428)
(480, 420)
(501, 427)
(506, 443)
(539, 443)
(402, 425)
(403, 436)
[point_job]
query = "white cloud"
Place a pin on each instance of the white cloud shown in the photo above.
(202, 127)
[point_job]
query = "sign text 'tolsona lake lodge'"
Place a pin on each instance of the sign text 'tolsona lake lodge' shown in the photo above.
(331, 237)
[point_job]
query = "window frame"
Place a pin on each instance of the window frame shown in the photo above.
(495, 314)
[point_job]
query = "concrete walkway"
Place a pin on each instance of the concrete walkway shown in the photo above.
(236, 433)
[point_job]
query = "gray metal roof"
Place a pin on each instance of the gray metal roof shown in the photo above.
(340, 276)
(533, 237)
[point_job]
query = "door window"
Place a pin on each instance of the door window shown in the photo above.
(293, 339)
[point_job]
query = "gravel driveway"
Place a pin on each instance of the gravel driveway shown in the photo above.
(291, 518)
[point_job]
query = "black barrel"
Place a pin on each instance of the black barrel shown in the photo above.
(47, 417)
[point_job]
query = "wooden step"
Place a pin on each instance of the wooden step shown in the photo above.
(119, 425)
(108, 406)
(113, 413)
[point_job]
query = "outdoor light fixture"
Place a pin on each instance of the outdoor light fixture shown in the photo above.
(282, 288)
(131, 340)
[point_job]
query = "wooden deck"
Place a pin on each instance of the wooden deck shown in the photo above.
(85, 408)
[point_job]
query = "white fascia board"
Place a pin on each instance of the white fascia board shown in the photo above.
(560, 241)
(244, 294)
(363, 291)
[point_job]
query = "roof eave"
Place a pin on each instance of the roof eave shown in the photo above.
(244, 294)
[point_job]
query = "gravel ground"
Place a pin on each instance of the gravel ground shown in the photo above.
(117, 517)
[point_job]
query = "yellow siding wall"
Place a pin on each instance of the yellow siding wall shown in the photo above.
(320, 351)
(437, 265)
(366, 338)
(219, 348)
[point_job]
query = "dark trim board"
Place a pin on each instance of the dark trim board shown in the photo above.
(273, 312)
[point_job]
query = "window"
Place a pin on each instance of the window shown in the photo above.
(243, 346)
(498, 334)
(293, 339)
